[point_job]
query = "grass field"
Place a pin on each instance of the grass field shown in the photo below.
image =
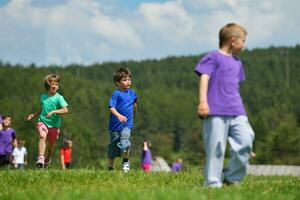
(100, 184)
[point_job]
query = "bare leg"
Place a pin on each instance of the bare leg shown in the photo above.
(126, 154)
(111, 163)
(42, 141)
(49, 151)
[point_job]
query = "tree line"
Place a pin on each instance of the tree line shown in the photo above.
(168, 97)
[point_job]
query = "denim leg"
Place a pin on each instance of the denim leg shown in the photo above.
(124, 143)
(240, 138)
(113, 150)
(215, 137)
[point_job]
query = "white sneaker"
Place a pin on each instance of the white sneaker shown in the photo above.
(40, 161)
(126, 166)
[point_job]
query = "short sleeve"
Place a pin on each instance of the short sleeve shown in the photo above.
(135, 97)
(206, 65)
(242, 73)
(61, 152)
(62, 102)
(113, 100)
(14, 152)
(25, 150)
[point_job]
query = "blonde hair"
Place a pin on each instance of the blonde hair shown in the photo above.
(228, 31)
(49, 78)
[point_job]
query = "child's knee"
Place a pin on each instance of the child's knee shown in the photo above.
(125, 139)
(42, 135)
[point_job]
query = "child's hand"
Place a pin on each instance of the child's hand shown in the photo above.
(203, 110)
(49, 114)
(122, 119)
(30, 117)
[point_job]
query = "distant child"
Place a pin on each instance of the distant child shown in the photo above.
(19, 155)
(66, 155)
(1, 127)
(7, 141)
(221, 107)
(146, 157)
(177, 166)
(123, 106)
(53, 105)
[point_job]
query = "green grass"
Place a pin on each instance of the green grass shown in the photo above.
(100, 184)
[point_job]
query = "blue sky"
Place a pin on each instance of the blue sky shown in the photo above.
(61, 32)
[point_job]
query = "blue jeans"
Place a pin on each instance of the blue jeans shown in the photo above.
(119, 143)
(238, 132)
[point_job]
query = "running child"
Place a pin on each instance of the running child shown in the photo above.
(123, 106)
(53, 105)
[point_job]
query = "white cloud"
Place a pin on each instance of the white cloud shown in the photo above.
(74, 31)
(68, 31)
(170, 20)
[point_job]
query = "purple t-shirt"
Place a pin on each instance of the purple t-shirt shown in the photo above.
(146, 157)
(176, 167)
(225, 73)
(6, 137)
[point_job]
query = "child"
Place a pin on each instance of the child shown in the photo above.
(52, 106)
(123, 106)
(66, 155)
(177, 166)
(221, 107)
(146, 156)
(1, 127)
(7, 141)
(19, 155)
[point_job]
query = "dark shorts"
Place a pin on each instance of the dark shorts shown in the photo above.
(52, 133)
(119, 143)
(4, 160)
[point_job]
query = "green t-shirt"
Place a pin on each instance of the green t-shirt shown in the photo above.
(50, 103)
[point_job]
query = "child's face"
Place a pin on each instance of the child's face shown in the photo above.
(7, 122)
(54, 86)
(238, 43)
(20, 144)
(124, 83)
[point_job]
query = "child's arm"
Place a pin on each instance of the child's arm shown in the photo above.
(62, 161)
(203, 108)
(32, 115)
(14, 142)
(63, 110)
(121, 118)
(25, 159)
(135, 107)
(145, 148)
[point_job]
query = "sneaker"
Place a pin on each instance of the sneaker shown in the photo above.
(40, 161)
(110, 168)
(228, 183)
(126, 166)
(47, 162)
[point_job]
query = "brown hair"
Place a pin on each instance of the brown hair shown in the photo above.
(49, 78)
(121, 73)
(228, 31)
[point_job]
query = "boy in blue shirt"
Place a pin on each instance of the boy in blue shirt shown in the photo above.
(123, 106)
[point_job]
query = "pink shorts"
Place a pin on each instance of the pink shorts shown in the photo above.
(146, 167)
(52, 133)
